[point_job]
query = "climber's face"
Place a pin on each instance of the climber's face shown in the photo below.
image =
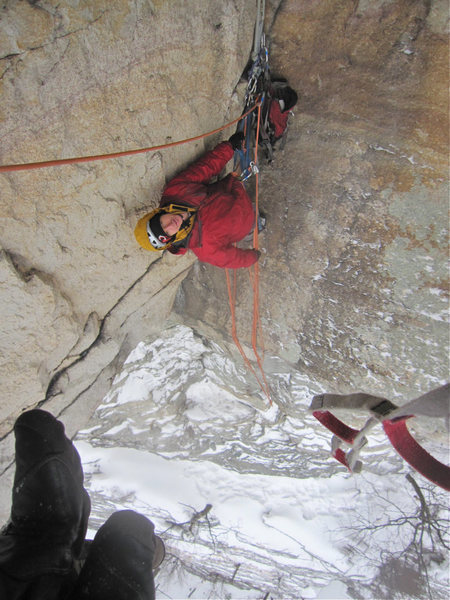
(171, 223)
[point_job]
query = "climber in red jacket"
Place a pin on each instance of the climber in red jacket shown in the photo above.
(207, 218)
(284, 98)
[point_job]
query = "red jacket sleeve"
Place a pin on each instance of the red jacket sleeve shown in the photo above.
(226, 257)
(203, 170)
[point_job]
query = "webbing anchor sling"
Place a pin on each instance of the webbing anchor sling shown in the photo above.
(393, 419)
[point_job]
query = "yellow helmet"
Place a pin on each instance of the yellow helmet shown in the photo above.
(148, 232)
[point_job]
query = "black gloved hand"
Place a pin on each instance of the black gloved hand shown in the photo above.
(237, 140)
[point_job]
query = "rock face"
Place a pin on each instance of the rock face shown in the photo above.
(353, 280)
(84, 78)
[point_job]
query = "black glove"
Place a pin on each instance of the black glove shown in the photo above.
(237, 140)
(258, 253)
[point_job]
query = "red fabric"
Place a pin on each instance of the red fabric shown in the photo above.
(278, 119)
(402, 441)
(339, 455)
(336, 426)
(415, 455)
(225, 213)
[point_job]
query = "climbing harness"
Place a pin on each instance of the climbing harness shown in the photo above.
(393, 420)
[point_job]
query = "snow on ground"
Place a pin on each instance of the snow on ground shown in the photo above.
(247, 500)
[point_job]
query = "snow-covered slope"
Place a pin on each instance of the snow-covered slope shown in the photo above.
(247, 500)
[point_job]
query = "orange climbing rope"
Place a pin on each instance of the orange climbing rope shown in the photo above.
(82, 159)
(231, 286)
(254, 278)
